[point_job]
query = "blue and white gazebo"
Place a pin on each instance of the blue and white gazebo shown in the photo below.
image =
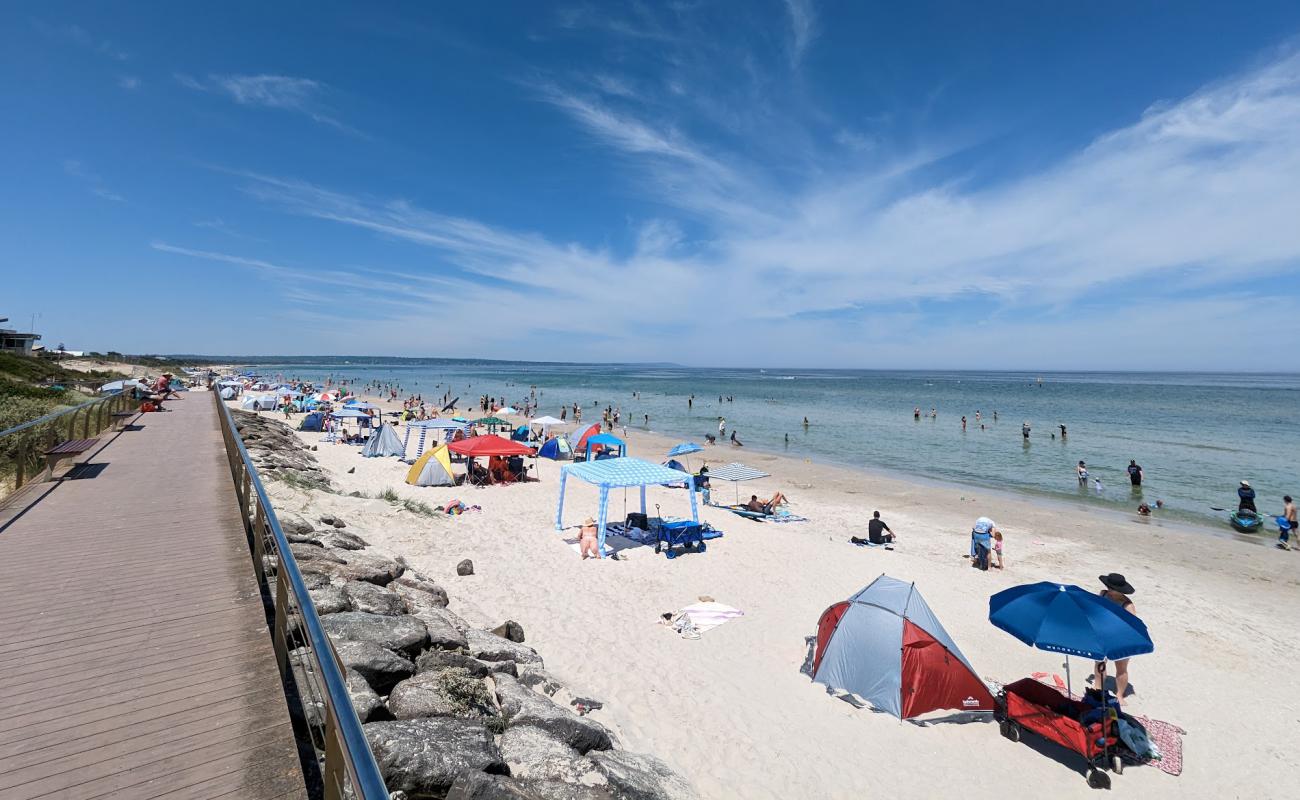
(613, 473)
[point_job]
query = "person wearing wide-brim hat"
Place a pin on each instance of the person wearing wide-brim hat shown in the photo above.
(589, 539)
(1117, 591)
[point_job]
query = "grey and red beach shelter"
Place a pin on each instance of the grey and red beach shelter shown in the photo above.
(885, 645)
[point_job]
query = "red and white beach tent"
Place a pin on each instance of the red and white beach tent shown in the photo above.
(885, 645)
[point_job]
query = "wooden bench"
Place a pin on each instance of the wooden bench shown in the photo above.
(121, 419)
(69, 449)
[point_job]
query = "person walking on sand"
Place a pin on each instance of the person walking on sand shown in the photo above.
(1288, 516)
(1134, 474)
(1117, 591)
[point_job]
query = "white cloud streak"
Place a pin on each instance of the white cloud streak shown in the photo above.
(1200, 192)
(94, 182)
(803, 28)
(283, 92)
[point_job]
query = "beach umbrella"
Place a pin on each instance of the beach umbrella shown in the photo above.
(508, 410)
(1063, 618)
(545, 422)
(685, 449)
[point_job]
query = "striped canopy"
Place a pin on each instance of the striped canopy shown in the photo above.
(735, 472)
(616, 472)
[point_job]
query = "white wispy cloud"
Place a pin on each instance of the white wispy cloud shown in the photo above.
(1199, 191)
(803, 27)
(93, 181)
(128, 82)
(287, 93)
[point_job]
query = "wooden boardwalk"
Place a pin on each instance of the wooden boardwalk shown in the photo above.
(135, 660)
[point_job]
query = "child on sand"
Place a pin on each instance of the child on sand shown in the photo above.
(588, 539)
(997, 548)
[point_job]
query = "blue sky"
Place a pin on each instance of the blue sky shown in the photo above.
(1108, 185)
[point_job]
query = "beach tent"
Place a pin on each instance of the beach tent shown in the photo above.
(228, 393)
(432, 469)
(258, 402)
(521, 434)
(383, 442)
(478, 446)
(118, 386)
(314, 421)
(736, 472)
(545, 422)
(612, 473)
(584, 436)
(556, 449)
(885, 645)
(605, 440)
(422, 428)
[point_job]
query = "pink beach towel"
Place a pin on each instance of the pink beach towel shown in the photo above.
(1169, 738)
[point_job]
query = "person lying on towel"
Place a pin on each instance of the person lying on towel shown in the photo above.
(768, 506)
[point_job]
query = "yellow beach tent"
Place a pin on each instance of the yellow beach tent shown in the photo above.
(432, 469)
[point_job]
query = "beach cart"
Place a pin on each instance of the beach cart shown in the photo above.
(1076, 725)
(685, 533)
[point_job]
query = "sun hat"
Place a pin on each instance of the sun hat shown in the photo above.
(1116, 582)
(589, 521)
(1246, 484)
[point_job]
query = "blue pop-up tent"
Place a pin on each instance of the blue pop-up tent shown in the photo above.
(383, 442)
(423, 426)
(608, 441)
(613, 473)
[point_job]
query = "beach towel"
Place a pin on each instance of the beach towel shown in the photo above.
(707, 616)
(1168, 738)
(781, 515)
(868, 543)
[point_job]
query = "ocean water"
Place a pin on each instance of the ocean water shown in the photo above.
(1195, 435)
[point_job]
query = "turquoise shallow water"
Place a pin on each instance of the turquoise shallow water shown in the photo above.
(1195, 435)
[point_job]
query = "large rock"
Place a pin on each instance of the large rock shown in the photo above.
(465, 567)
(510, 630)
(319, 557)
(450, 692)
(636, 776)
(364, 699)
(358, 566)
(540, 680)
(295, 525)
(423, 757)
(381, 667)
(419, 592)
(490, 647)
(442, 633)
(435, 660)
(482, 786)
(531, 752)
(373, 599)
(342, 540)
(522, 706)
(402, 634)
(315, 579)
(330, 600)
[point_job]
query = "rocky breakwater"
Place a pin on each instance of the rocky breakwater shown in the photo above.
(278, 453)
(451, 710)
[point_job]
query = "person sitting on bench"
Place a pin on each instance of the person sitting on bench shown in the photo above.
(768, 506)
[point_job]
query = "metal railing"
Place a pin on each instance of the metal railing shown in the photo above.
(336, 730)
(21, 446)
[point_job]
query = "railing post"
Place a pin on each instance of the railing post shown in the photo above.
(332, 772)
(22, 466)
(282, 620)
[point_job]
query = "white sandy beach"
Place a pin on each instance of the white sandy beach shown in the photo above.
(733, 713)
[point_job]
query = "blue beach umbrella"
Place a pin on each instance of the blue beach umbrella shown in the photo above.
(1062, 618)
(684, 449)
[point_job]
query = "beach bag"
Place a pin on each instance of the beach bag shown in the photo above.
(638, 520)
(148, 406)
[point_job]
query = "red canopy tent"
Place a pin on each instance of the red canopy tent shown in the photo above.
(491, 446)
(582, 440)
(476, 446)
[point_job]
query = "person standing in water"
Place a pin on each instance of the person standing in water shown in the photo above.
(1024, 430)
(1062, 427)
(1082, 471)
(722, 427)
(916, 413)
(1246, 498)
(1134, 474)
(963, 423)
